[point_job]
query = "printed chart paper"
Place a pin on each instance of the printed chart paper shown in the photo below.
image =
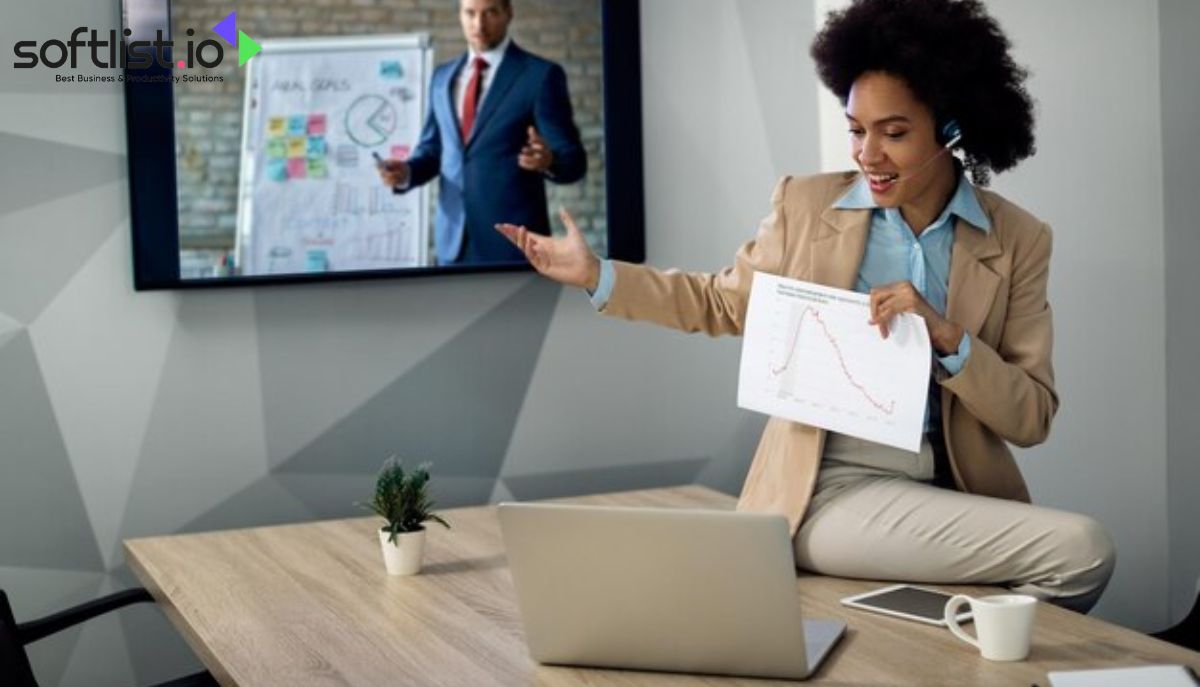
(809, 355)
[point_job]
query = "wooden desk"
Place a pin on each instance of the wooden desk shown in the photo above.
(310, 604)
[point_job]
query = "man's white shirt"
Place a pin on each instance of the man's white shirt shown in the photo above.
(493, 57)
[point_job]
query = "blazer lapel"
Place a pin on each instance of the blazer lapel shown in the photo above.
(448, 95)
(842, 238)
(837, 251)
(972, 283)
(510, 68)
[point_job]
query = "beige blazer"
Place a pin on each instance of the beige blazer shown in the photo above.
(1004, 393)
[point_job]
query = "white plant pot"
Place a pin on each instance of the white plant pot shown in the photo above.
(404, 556)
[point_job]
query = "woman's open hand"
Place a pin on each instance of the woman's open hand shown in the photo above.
(566, 259)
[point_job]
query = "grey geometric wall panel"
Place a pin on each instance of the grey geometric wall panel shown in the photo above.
(101, 354)
(263, 502)
(597, 376)
(204, 440)
(42, 247)
(334, 496)
(37, 592)
(456, 408)
(338, 496)
(325, 351)
(37, 170)
(597, 480)
(8, 329)
(38, 491)
(285, 498)
(57, 117)
(734, 451)
(54, 20)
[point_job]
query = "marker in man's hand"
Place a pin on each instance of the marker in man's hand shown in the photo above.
(379, 161)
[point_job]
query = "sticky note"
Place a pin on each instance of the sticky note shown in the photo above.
(316, 124)
(316, 261)
(276, 147)
(316, 146)
(276, 126)
(297, 146)
(317, 169)
(401, 152)
(297, 168)
(277, 169)
(297, 125)
(391, 69)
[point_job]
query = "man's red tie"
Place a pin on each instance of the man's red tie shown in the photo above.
(474, 86)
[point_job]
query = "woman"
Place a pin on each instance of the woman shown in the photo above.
(919, 79)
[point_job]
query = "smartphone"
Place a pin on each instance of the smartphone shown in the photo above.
(908, 602)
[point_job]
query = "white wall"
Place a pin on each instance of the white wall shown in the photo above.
(1179, 21)
(1097, 179)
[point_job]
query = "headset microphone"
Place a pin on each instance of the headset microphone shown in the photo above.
(950, 130)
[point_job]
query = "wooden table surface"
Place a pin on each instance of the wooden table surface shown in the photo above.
(310, 604)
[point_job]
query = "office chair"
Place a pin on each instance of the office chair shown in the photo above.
(15, 670)
(1187, 632)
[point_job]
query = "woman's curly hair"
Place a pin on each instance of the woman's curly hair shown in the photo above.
(955, 59)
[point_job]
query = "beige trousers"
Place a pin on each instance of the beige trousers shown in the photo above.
(874, 515)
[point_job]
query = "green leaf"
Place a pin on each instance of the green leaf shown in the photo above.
(403, 499)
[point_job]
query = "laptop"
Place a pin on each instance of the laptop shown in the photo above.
(687, 591)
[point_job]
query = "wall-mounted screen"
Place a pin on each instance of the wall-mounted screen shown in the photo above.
(309, 140)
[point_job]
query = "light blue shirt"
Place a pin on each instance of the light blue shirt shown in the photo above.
(893, 253)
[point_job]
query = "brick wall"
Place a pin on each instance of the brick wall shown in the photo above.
(208, 115)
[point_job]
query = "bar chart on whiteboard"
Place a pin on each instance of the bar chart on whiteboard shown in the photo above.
(809, 355)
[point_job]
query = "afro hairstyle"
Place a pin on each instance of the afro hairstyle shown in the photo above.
(954, 58)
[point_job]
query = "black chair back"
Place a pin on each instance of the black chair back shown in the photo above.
(14, 663)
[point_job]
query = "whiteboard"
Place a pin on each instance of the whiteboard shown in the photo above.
(309, 195)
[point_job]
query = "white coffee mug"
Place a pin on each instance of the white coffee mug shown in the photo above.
(1003, 623)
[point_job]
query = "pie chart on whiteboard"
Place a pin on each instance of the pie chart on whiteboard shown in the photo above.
(370, 120)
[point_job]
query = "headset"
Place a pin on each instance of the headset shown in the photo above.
(951, 133)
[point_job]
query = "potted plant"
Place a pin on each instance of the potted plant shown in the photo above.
(402, 499)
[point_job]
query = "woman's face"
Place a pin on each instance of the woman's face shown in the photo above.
(893, 141)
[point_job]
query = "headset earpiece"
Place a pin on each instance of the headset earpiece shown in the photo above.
(951, 133)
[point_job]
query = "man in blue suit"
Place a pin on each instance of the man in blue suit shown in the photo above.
(499, 125)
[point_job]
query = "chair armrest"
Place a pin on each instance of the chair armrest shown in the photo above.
(37, 629)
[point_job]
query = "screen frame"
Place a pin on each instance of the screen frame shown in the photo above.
(153, 193)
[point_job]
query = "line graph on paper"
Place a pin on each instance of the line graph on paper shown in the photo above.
(806, 346)
(809, 355)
